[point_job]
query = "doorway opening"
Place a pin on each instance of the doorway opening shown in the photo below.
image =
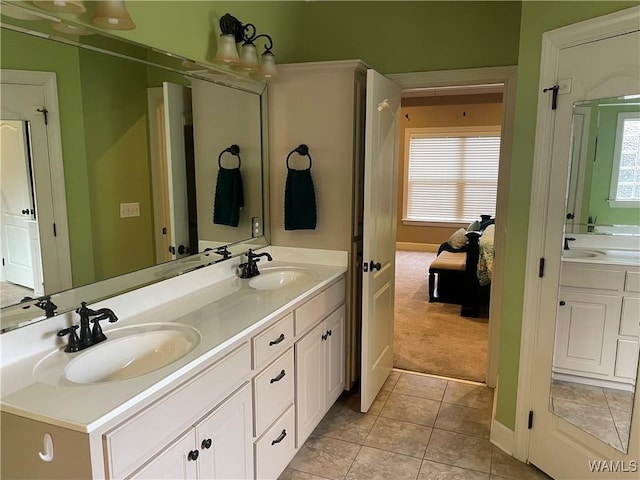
(453, 137)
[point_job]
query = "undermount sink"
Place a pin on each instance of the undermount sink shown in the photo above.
(279, 277)
(581, 253)
(127, 353)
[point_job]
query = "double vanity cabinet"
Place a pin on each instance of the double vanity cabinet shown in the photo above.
(241, 414)
(598, 324)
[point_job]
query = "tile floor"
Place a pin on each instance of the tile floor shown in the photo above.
(604, 413)
(418, 428)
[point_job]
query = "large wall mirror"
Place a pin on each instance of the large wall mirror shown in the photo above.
(121, 166)
(595, 365)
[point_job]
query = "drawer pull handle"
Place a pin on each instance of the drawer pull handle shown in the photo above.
(193, 455)
(206, 443)
(279, 377)
(277, 340)
(280, 437)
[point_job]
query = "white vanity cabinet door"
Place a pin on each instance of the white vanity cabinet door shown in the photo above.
(224, 440)
(310, 368)
(173, 463)
(587, 329)
(320, 357)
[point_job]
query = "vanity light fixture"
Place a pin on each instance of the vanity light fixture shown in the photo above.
(61, 6)
(112, 15)
(234, 32)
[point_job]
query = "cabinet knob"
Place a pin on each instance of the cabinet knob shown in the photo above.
(562, 303)
(193, 455)
(206, 444)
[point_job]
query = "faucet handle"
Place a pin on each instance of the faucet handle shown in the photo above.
(74, 341)
(97, 335)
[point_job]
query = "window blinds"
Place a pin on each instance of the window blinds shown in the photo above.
(452, 179)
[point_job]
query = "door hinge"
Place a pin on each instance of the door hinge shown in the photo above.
(530, 421)
(541, 268)
(55, 232)
(554, 98)
(3, 262)
(45, 113)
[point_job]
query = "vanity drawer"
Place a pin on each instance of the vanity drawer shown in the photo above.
(140, 437)
(630, 320)
(272, 341)
(318, 307)
(275, 449)
(632, 282)
(591, 277)
(273, 391)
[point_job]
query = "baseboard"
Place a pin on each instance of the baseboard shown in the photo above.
(502, 437)
(594, 382)
(417, 247)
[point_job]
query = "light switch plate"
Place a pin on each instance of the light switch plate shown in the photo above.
(256, 227)
(130, 209)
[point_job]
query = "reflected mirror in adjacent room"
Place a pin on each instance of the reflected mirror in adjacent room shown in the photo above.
(595, 362)
(140, 133)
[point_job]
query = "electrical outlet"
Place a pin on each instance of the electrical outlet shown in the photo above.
(256, 227)
(130, 209)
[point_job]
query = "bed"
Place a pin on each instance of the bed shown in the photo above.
(462, 274)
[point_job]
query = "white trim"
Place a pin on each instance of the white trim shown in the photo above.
(314, 67)
(552, 42)
(417, 247)
(481, 76)
(594, 382)
(502, 437)
(425, 223)
(48, 82)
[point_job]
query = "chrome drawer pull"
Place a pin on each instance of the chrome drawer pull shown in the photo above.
(280, 437)
(277, 340)
(279, 377)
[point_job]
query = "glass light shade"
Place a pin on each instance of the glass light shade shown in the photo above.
(227, 52)
(112, 15)
(64, 6)
(248, 58)
(71, 29)
(268, 66)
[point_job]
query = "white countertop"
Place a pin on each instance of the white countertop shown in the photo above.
(224, 313)
(602, 256)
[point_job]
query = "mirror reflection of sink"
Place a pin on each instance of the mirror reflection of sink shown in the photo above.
(129, 352)
(279, 277)
(581, 253)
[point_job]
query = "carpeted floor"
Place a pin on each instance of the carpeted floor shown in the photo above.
(433, 337)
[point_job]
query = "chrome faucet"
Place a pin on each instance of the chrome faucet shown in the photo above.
(250, 267)
(88, 336)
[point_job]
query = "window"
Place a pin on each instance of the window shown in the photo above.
(625, 175)
(452, 174)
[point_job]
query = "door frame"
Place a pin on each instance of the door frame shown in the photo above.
(477, 76)
(553, 42)
(61, 249)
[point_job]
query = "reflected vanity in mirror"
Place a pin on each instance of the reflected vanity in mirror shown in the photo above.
(112, 167)
(595, 364)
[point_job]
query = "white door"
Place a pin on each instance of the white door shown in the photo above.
(334, 354)
(379, 247)
(17, 203)
(600, 69)
(24, 96)
(174, 463)
(177, 107)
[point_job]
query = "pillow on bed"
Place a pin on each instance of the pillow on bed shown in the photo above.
(458, 239)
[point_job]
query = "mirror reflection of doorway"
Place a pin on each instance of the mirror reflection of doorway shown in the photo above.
(21, 274)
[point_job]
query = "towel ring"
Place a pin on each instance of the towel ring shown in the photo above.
(233, 150)
(300, 150)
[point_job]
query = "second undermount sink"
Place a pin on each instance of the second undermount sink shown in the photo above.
(128, 352)
(279, 277)
(581, 253)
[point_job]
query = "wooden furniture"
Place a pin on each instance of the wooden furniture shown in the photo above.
(453, 277)
(321, 105)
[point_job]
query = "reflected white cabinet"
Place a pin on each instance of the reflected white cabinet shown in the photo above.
(597, 328)
(320, 372)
